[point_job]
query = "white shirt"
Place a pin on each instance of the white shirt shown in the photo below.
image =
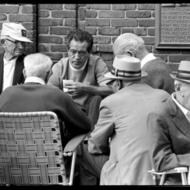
(9, 67)
(183, 109)
(147, 58)
(34, 80)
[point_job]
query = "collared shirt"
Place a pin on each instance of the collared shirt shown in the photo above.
(34, 80)
(9, 67)
(182, 108)
(147, 58)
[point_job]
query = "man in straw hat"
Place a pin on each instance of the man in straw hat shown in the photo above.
(158, 71)
(171, 128)
(13, 39)
(119, 145)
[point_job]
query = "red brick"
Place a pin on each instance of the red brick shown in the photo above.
(50, 39)
(102, 40)
(50, 22)
(44, 14)
(109, 31)
(146, 22)
(69, 6)
(178, 58)
(138, 14)
(146, 6)
(97, 22)
(29, 26)
(124, 23)
(111, 14)
(9, 9)
(51, 6)
(58, 48)
(63, 14)
(105, 48)
(151, 31)
(21, 18)
(99, 6)
(43, 30)
(82, 13)
(149, 40)
(124, 6)
(28, 9)
(43, 48)
(107, 56)
(91, 14)
(70, 22)
(3, 17)
(59, 30)
(127, 30)
(140, 31)
(91, 30)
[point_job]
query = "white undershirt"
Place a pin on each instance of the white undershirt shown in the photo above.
(147, 58)
(9, 67)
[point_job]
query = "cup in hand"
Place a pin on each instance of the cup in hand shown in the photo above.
(65, 82)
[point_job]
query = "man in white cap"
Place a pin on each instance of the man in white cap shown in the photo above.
(118, 147)
(13, 39)
(171, 128)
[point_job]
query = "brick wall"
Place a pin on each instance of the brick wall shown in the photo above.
(104, 21)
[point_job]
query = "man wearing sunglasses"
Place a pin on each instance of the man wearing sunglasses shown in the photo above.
(13, 40)
(81, 74)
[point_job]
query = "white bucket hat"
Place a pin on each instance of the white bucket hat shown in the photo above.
(15, 31)
(126, 68)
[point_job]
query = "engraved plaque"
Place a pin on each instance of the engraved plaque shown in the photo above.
(173, 26)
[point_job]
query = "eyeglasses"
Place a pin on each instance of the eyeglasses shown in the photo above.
(15, 42)
(80, 53)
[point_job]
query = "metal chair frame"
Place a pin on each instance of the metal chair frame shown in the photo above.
(184, 171)
(31, 149)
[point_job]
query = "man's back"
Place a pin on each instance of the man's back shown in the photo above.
(129, 147)
(36, 97)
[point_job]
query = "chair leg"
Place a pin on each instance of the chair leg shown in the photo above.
(72, 168)
(184, 178)
(162, 179)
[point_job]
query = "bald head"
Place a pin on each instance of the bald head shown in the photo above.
(128, 43)
(37, 64)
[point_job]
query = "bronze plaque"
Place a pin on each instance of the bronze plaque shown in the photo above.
(173, 26)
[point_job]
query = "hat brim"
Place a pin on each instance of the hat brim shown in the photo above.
(111, 76)
(173, 75)
(21, 39)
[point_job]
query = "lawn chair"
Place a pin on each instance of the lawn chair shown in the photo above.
(31, 150)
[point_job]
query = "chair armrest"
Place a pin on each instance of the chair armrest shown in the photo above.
(73, 143)
(171, 171)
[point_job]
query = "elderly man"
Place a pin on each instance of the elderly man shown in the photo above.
(83, 74)
(121, 131)
(158, 72)
(34, 95)
(13, 40)
(170, 129)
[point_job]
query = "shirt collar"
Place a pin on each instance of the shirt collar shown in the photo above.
(147, 58)
(81, 69)
(34, 80)
(183, 109)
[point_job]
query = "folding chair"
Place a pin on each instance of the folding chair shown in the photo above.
(31, 150)
(159, 177)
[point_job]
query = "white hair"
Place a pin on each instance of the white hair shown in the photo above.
(37, 64)
(127, 43)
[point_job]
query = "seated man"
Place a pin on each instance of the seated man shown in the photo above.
(157, 69)
(170, 129)
(84, 72)
(13, 40)
(118, 147)
(35, 95)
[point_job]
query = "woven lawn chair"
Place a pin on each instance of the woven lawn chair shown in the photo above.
(31, 150)
(159, 177)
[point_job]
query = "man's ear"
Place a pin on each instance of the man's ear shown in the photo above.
(119, 84)
(24, 72)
